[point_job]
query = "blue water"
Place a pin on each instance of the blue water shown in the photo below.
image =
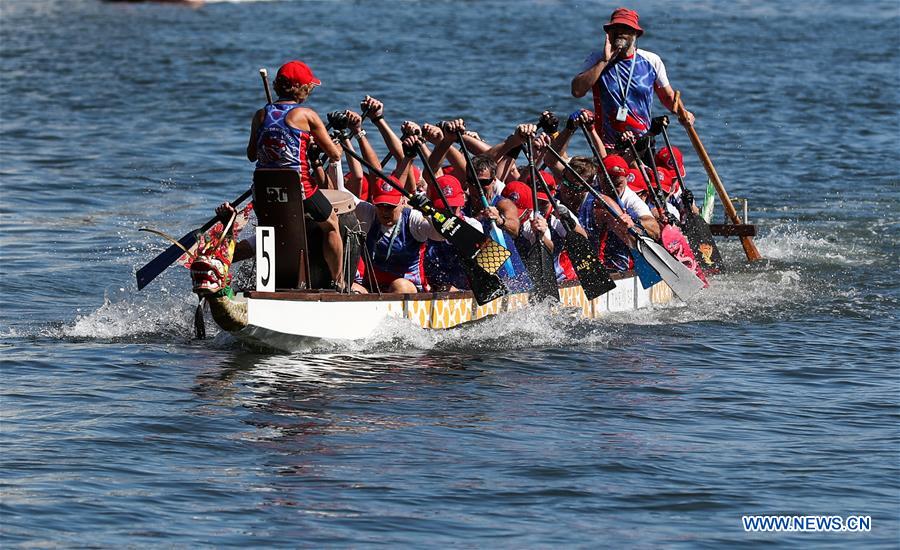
(775, 392)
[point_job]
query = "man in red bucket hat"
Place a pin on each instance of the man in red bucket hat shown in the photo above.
(622, 79)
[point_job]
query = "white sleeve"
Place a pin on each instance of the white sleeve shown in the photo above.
(633, 205)
(591, 60)
(662, 79)
(525, 230)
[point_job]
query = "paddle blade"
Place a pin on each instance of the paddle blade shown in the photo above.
(683, 282)
(470, 242)
(594, 278)
(702, 242)
(539, 264)
(486, 286)
(160, 263)
(645, 272)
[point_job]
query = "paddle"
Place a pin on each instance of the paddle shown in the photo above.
(695, 227)
(160, 263)
(645, 272)
(593, 276)
(485, 286)
(539, 261)
(470, 242)
(671, 235)
(496, 233)
(157, 265)
(747, 242)
(681, 279)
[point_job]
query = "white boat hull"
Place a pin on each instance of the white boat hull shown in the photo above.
(291, 321)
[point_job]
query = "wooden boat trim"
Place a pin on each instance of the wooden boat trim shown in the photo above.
(331, 296)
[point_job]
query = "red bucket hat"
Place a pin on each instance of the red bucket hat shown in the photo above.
(298, 72)
(384, 193)
(624, 16)
(452, 189)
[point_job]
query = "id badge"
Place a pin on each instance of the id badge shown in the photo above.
(622, 114)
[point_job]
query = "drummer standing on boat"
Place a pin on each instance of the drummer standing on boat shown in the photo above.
(279, 137)
(622, 79)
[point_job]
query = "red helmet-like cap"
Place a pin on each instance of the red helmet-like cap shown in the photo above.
(298, 72)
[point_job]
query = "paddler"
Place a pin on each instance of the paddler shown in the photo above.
(622, 79)
(280, 135)
(395, 237)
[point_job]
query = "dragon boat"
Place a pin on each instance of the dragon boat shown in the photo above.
(286, 313)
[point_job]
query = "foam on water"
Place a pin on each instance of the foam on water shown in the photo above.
(165, 315)
(791, 243)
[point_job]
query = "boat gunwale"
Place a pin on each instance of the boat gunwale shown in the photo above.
(332, 296)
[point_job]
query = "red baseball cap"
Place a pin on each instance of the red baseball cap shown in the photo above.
(385, 193)
(624, 16)
(666, 179)
(298, 72)
(615, 165)
(452, 189)
(548, 179)
(520, 194)
(447, 170)
(636, 181)
(664, 159)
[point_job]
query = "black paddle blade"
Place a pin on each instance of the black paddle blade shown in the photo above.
(470, 242)
(702, 242)
(199, 325)
(160, 263)
(486, 286)
(539, 264)
(593, 276)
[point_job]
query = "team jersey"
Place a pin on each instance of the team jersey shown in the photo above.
(283, 147)
(647, 73)
(398, 251)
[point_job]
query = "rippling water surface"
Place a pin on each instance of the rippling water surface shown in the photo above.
(775, 392)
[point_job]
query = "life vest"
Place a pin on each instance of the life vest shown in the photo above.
(397, 253)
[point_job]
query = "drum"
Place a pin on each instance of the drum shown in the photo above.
(351, 235)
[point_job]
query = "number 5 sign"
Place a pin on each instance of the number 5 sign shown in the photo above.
(265, 259)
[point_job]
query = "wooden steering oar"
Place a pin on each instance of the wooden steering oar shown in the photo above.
(747, 242)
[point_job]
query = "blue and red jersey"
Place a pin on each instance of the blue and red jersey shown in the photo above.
(646, 72)
(283, 147)
(397, 253)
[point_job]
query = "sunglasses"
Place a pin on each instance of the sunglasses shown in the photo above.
(485, 182)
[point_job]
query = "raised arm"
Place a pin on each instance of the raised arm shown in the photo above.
(323, 140)
(375, 110)
(594, 65)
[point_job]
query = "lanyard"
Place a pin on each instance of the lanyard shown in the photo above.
(394, 234)
(628, 84)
